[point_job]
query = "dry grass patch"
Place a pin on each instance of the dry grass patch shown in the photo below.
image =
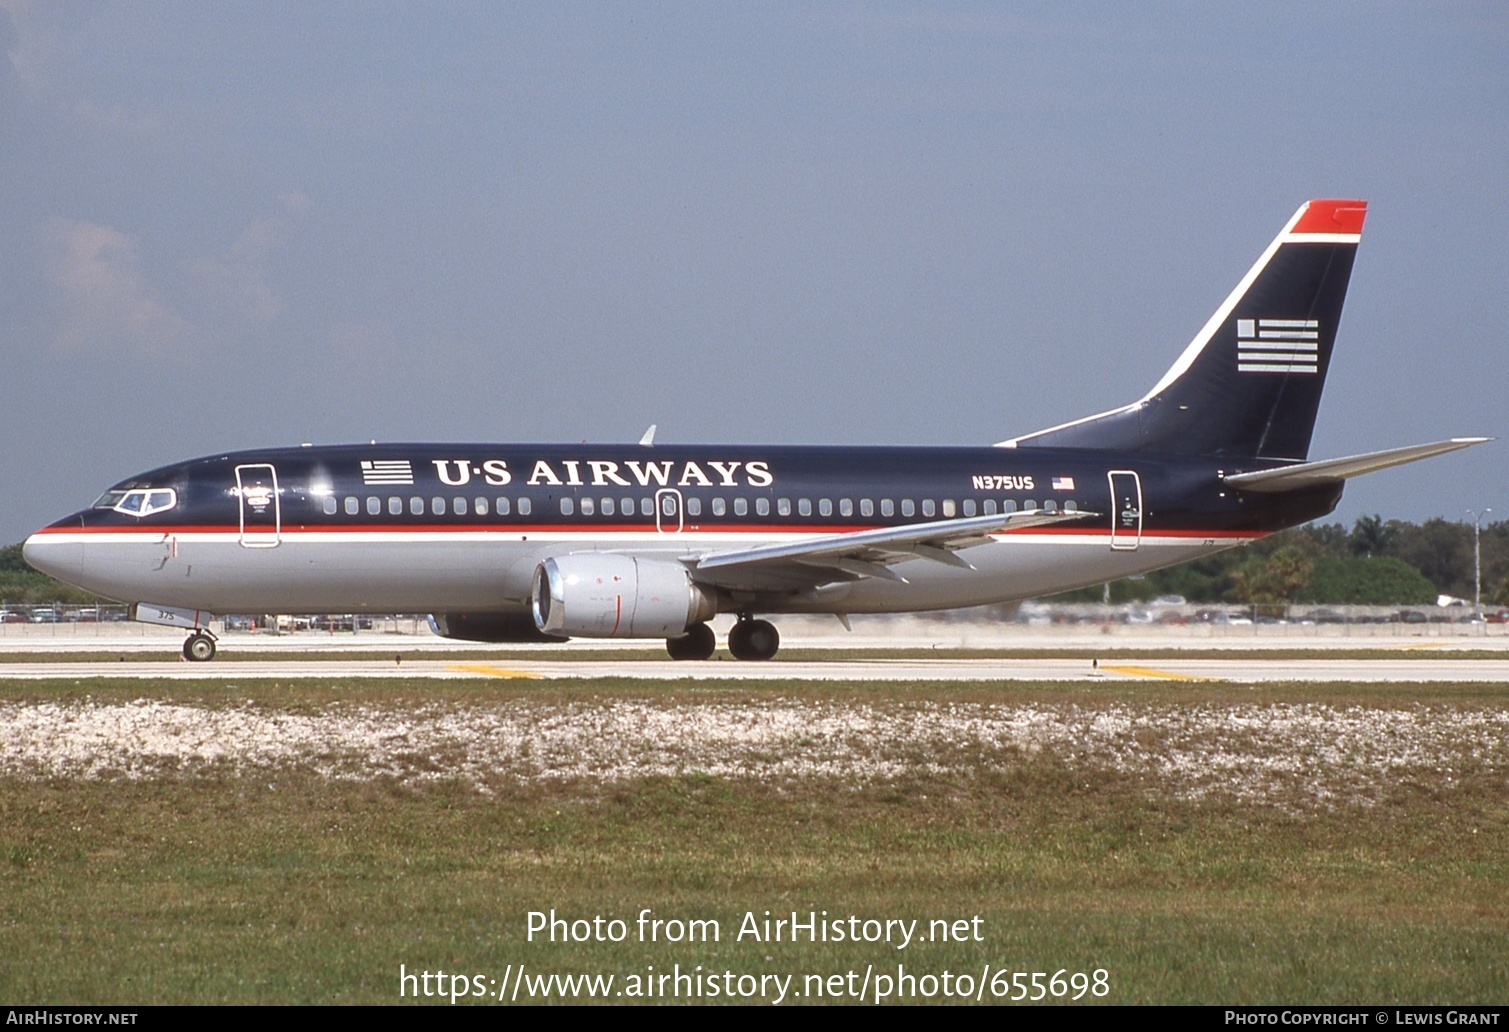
(297, 843)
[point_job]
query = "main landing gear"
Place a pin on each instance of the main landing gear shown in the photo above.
(747, 639)
(697, 643)
(753, 639)
(200, 647)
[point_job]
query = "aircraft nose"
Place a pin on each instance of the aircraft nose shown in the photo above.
(54, 556)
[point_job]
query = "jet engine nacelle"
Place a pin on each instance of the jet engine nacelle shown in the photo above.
(489, 627)
(617, 596)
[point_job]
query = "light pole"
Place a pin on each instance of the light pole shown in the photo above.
(1477, 563)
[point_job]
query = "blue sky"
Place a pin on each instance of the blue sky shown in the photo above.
(237, 225)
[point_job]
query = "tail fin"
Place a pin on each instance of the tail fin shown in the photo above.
(1249, 383)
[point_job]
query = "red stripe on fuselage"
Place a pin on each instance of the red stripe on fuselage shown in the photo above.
(589, 530)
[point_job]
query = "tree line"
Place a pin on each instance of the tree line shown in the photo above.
(1374, 562)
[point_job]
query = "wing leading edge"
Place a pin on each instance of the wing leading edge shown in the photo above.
(861, 554)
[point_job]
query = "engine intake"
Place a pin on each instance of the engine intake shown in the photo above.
(618, 596)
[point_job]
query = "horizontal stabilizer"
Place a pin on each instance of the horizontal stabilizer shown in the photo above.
(1314, 474)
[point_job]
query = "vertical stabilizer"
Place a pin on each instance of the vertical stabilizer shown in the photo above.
(1249, 384)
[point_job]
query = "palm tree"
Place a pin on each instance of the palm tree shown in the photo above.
(1370, 536)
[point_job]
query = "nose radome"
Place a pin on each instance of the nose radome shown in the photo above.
(54, 556)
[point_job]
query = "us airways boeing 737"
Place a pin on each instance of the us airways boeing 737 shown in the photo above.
(515, 543)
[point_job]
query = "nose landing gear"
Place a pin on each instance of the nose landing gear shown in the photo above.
(200, 647)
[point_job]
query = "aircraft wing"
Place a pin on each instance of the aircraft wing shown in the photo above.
(1313, 474)
(808, 562)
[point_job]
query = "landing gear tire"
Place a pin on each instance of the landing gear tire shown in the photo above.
(753, 639)
(697, 643)
(200, 648)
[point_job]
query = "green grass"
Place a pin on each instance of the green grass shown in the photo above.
(207, 886)
(1403, 649)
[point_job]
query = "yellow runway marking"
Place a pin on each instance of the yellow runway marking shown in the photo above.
(1166, 675)
(489, 671)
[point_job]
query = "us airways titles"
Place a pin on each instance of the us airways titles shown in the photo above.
(609, 473)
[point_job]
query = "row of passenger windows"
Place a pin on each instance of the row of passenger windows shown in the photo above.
(610, 506)
(438, 506)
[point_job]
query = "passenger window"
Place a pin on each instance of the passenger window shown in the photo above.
(866, 507)
(1008, 506)
(479, 506)
(501, 507)
(846, 507)
(1050, 506)
(566, 506)
(783, 506)
(437, 506)
(989, 506)
(667, 505)
(804, 506)
(395, 506)
(351, 506)
(720, 506)
(329, 505)
(1029, 506)
(647, 506)
(416, 506)
(908, 507)
(458, 506)
(969, 506)
(887, 507)
(762, 506)
(694, 507)
(741, 507)
(1071, 506)
(588, 507)
(374, 506)
(825, 507)
(948, 507)
(525, 506)
(627, 507)
(607, 507)
(928, 508)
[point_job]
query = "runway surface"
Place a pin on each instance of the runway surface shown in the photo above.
(1432, 668)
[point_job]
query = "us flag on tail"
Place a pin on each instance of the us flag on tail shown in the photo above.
(1278, 345)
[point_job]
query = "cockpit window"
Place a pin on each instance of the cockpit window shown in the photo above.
(139, 503)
